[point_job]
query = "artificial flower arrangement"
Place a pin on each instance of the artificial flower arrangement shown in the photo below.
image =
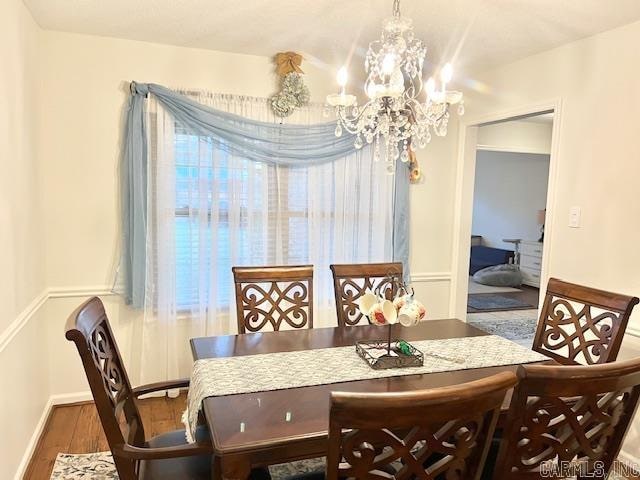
(293, 92)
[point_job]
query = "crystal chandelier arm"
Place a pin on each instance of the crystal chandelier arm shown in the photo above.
(350, 123)
(414, 89)
(394, 118)
(433, 112)
(396, 8)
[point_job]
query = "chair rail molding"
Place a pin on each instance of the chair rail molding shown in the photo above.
(22, 319)
(30, 310)
(81, 291)
(103, 290)
(421, 277)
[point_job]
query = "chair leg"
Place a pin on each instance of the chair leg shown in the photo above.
(216, 468)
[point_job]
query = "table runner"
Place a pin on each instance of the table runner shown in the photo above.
(216, 377)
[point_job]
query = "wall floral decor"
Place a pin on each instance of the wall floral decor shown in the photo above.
(293, 92)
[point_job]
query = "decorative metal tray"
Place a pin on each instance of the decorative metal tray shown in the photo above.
(381, 354)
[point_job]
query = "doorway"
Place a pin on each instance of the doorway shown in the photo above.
(505, 192)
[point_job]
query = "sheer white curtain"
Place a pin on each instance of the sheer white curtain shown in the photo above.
(209, 210)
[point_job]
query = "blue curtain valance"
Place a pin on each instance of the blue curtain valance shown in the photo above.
(274, 143)
(281, 144)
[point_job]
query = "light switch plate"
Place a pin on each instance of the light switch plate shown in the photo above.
(574, 217)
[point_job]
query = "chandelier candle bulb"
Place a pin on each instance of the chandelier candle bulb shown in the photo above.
(393, 113)
(446, 75)
(342, 78)
(389, 64)
(431, 86)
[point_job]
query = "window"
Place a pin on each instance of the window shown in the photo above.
(253, 213)
(210, 209)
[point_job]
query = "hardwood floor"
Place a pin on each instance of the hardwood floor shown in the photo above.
(528, 295)
(77, 429)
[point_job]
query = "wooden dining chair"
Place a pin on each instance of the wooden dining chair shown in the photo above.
(351, 281)
(563, 414)
(426, 434)
(582, 325)
(165, 456)
(271, 296)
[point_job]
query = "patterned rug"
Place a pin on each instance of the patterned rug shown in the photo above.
(514, 329)
(99, 466)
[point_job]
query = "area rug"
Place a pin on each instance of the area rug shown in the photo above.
(494, 301)
(520, 330)
(99, 466)
(511, 328)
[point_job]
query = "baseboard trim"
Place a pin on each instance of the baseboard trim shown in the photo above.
(33, 441)
(22, 319)
(68, 398)
(54, 401)
(421, 277)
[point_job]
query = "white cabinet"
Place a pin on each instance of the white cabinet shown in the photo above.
(531, 262)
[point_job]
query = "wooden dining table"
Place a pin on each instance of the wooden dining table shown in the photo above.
(259, 429)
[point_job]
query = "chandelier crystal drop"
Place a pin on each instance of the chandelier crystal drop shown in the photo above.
(397, 116)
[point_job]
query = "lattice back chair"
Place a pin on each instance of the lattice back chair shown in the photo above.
(562, 414)
(273, 296)
(582, 325)
(351, 281)
(116, 401)
(426, 434)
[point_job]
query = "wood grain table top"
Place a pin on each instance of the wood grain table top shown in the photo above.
(248, 422)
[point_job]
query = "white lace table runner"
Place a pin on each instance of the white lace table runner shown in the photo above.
(216, 377)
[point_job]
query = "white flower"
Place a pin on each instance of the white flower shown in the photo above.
(294, 94)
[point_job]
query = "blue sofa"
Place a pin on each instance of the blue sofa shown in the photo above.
(483, 257)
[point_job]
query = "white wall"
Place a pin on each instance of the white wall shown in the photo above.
(21, 252)
(509, 190)
(431, 223)
(25, 394)
(82, 91)
(631, 449)
(524, 136)
(82, 107)
(22, 345)
(84, 94)
(83, 97)
(597, 162)
(81, 86)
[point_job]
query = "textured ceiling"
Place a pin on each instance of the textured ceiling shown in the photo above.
(476, 33)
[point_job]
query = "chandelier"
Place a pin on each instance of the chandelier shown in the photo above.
(395, 119)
